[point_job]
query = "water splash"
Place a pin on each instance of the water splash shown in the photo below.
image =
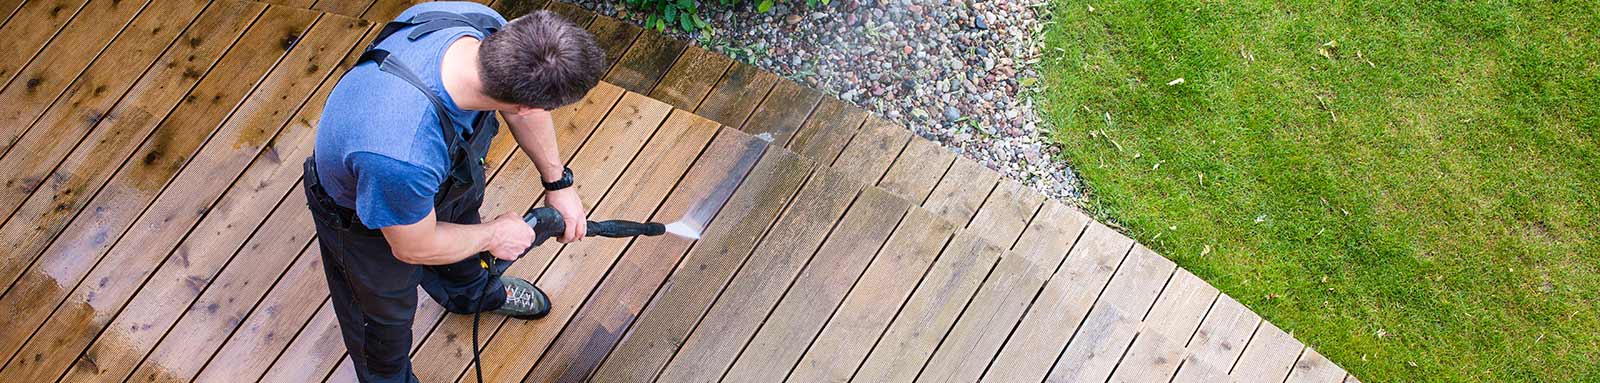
(683, 229)
(765, 137)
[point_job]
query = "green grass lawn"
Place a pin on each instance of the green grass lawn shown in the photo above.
(1409, 187)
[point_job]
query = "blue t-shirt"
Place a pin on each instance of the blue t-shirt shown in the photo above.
(380, 150)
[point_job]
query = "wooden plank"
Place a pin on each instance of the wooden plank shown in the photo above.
(873, 150)
(781, 113)
(819, 290)
(1314, 368)
(932, 310)
(760, 282)
(1006, 212)
(918, 169)
(351, 8)
(651, 55)
(961, 191)
(866, 312)
(669, 316)
(157, 229)
(690, 78)
(81, 110)
(1216, 345)
(614, 36)
(828, 130)
(1063, 304)
(736, 95)
(1105, 335)
(228, 317)
(8, 8)
(1005, 296)
(156, 162)
(574, 13)
(1159, 347)
(64, 61)
(383, 11)
(598, 325)
(35, 24)
(512, 9)
(231, 221)
(1268, 357)
(300, 362)
(573, 275)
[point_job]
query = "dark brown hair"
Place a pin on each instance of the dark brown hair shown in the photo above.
(540, 60)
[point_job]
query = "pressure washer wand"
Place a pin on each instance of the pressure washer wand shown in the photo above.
(547, 223)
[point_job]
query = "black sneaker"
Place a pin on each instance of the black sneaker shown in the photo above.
(523, 299)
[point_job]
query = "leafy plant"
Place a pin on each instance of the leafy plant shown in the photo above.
(685, 15)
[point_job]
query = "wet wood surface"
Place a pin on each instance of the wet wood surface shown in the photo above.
(157, 227)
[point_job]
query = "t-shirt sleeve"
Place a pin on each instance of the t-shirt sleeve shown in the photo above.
(391, 192)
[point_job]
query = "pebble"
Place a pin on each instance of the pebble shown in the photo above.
(922, 63)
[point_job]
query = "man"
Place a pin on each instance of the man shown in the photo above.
(398, 174)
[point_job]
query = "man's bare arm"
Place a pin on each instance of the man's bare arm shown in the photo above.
(430, 242)
(536, 134)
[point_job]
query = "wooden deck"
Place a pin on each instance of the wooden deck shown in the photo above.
(154, 229)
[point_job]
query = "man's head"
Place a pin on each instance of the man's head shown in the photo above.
(540, 61)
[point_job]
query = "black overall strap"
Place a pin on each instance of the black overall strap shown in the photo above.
(399, 69)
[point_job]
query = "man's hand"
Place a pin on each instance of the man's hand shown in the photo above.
(568, 203)
(511, 237)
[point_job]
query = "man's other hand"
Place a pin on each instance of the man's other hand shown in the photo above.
(511, 237)
(570, 205)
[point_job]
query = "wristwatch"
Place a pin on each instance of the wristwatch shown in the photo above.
(563, 183)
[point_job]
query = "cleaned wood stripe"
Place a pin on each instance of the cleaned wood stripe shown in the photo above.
(1106, 333)
(1005, 296)
(65, 61)
(1216, 345)
(670, 315)
(691, 77)
(308, 361)
(1006, 212)
(926, 318)
(1157, 350)
(819, 289)
(962, 189)
(651, 55)
(1066, 299)
(830, 127)
(918, 169)
(600, 323)
(155, 162)
(1269, 356)
(573, 274)
(781, 113)
(889, 280)
(872, 150)
(736, 95)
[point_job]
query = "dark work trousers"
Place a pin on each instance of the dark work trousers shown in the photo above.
(375, 295)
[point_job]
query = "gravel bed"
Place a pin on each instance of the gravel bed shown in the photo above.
(959, 72)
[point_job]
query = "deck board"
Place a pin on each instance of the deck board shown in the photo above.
(162, 235)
